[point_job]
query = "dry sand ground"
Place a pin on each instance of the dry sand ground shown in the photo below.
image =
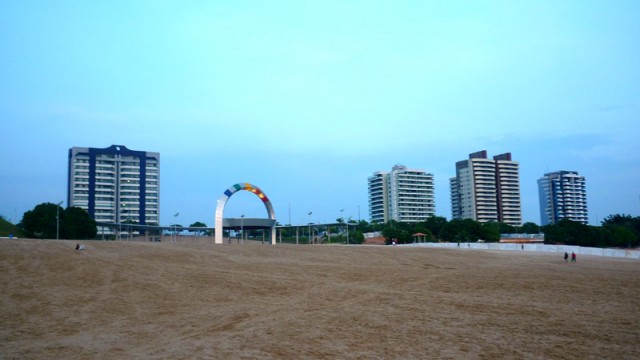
(128, 300)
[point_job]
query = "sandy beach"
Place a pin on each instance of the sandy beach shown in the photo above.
(142, 300)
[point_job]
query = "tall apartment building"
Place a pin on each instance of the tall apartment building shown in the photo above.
(563, 195)
(486, 189)
(115, 184)
(378, 199)
(405, 195)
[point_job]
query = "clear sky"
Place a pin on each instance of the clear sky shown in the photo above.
(306, 99)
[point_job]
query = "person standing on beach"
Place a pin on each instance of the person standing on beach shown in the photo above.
(566, 257)
(573, 257)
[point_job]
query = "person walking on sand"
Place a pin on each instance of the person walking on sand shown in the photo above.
(573, 257)
(566, 257)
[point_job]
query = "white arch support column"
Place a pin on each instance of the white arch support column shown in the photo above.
(219, 227)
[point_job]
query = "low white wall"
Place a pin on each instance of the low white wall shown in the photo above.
(580, 250)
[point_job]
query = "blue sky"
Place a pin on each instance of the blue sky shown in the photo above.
(306, 99)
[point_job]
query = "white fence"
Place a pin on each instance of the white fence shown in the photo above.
(580, 250)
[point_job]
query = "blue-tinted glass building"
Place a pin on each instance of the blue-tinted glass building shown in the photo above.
(563, 195)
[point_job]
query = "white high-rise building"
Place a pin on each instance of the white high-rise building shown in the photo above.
(508, 190)
(404, 195)
(563, 195)
(486, 189)
(115, 184)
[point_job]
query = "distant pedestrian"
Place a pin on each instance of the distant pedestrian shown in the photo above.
(566, 257)
(573, 257)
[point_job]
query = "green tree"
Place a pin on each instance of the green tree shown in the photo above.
(505, 228)
(619, 236)
(577, 233)
(570, 232)
(393, 232)
(435, 224)
(627, 221)
(529, 228)
(198, 224)
(490, 232)
(465, 230)
(453, 232)
(356, 237)
(41, 222)
(76, 224)
(363, 226)
(554, 234)
(619, 219)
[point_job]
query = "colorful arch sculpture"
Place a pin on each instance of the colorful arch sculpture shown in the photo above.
(223, 201)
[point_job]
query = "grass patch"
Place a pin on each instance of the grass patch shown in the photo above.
(7, 228)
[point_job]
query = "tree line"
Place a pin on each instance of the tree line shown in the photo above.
(49, 221)
(615, 231)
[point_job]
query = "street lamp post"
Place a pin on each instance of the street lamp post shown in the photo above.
(346, 223)
(175, 227)
(58, 220)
